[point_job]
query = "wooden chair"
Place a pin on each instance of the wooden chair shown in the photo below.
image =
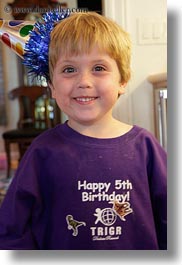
(35, 116)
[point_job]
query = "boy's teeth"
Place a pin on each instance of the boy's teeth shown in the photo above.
(85, 99)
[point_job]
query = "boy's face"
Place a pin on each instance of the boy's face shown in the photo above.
(86, 86)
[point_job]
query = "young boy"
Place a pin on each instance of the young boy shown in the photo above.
(93, 182)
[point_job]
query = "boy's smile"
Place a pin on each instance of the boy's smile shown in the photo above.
(86, 86)
(85, 100)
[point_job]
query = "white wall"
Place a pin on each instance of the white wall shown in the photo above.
(136, 106)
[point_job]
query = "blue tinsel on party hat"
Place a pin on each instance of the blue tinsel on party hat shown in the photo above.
(37, 48)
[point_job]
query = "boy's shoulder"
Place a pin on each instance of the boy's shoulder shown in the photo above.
(142, 132)
(138, 133)
(146, 135)
(146, 140)
(49, 135)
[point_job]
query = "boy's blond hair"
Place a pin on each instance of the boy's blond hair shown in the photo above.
(78, 34)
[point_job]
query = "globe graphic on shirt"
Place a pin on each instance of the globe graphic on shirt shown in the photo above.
(108, 216)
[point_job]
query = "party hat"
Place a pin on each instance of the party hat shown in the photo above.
(15, 33)
(30, 40)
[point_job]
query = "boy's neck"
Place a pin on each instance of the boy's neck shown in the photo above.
(110, 129)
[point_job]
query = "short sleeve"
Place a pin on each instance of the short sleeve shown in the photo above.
(157, 172)
(21, 206)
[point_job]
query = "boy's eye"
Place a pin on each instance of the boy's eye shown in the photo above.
(69, 70)
(99, 68)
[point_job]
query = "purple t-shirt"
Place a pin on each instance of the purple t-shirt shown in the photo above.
(77, 192)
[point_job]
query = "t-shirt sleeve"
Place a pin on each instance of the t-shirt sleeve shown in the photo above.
(157, 172)
(21, 206)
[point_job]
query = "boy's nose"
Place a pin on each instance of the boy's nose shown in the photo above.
(84, 80)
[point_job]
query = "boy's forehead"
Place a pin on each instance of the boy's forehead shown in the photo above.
(93, 48)
(96, 52)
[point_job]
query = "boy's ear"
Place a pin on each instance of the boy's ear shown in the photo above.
(122, 88)
(52, 89)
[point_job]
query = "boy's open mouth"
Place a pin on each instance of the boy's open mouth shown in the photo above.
(85, 99)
